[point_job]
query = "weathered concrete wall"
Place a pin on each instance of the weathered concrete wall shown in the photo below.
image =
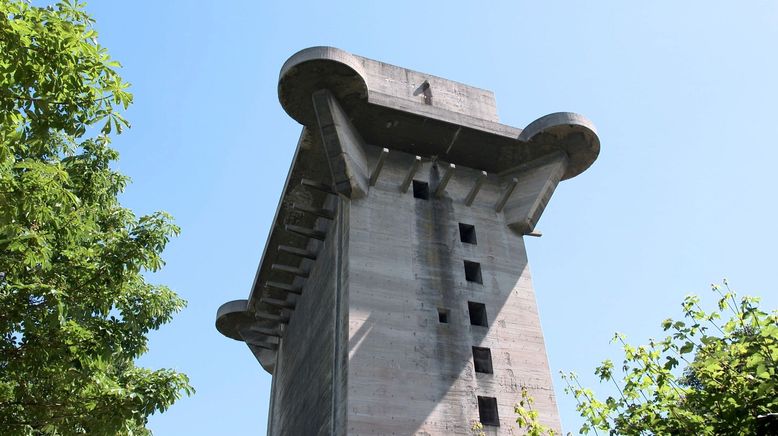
(403, 88)
(308, 395)
(364, 351)
(407, 372)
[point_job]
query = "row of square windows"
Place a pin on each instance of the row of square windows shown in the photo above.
(472, 269)
(482, 362)
(482, 357)
(487, 406)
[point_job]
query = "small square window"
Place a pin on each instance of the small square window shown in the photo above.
(477, 314)
(487, 411)
(473, 272)
(467, 234)
(421, 190)
(482, 358)
(443, 316)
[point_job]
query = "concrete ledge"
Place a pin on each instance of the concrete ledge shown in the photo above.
(426, 115)
(233, 316)
(315, 68)
(573, 133)
(234, 320)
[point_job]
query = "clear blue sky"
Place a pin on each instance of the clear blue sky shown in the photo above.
(683, 94)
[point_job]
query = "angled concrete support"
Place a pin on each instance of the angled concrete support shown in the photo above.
(300, 252)
(289, 269)
(411, 172)
(444, 181)
(271, 317)
(282, 304)
(313, 184)
(506, 194)
(476, 187)
(343, 144)
(378, 166)
(285, 287)
(304, 231)
(535, 187)
(251, 332)
(324, 213)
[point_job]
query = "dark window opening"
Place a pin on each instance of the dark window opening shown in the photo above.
(443, 316)
(487, 411)
(477, 314)
(473, 272)
(482, 357)
(421, 190)
(467, 234)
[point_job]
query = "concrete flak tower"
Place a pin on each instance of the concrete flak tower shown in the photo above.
(394, 296)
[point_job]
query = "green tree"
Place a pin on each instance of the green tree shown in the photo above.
(528, 418)
(75, 307)
(713, 374)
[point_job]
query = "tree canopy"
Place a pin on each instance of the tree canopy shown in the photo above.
(713, 374)
(75, 307)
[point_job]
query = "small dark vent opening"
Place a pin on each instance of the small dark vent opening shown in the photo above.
(467, 234)
(487, 411)
(421, 190)
(477, 314)
(482, 357)
(443, 316)
(473, 272)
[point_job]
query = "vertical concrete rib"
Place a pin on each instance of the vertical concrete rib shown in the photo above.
(339, 403)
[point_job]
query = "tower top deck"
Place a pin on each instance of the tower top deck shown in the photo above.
(426, 115)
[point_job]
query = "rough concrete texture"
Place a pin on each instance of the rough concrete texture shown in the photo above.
(408, 373)
(343, 145)
(304, 394)
(367, 303)
(388, 104)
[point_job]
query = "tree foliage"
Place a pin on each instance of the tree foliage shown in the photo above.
(528, 418)
(728, 379)
(75, 307)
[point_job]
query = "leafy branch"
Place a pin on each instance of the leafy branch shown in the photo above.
(76, 304)
(729, 379)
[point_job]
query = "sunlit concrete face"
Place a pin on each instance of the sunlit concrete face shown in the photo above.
(394, 294)
(408, 372)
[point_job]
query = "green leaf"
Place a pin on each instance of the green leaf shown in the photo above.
(76, 303)
(730, 380)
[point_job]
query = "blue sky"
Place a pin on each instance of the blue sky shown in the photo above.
(683, 193)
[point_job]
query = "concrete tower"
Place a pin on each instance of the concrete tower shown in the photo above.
(394, 295)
